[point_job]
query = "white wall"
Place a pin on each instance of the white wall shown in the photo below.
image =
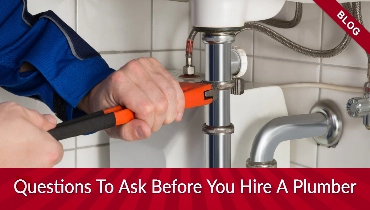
(122, 30)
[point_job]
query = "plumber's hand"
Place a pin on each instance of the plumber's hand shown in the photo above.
(24, 140)
(146, 88)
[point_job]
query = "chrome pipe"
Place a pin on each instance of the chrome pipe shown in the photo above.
(286, 128)
(218, 69)
(323, 124)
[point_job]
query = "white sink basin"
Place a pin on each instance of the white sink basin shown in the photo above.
(234, 13)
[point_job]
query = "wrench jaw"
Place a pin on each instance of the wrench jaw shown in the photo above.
(211, 94)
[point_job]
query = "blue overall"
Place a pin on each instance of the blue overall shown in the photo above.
(66, 67)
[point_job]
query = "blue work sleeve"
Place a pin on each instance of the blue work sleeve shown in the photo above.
(66, 67)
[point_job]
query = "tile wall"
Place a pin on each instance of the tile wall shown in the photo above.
(122, 30)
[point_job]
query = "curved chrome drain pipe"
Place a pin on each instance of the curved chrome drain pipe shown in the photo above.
(324, 124)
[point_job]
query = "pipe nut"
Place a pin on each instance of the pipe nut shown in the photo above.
(189, 70)
(270, 164)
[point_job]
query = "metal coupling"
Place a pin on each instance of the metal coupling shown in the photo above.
(238, 88)
(189, 69)
(358, 107)
(218, 130)
(218, 38)
(270, 164)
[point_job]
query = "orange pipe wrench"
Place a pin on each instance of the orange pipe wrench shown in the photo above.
(194, 94)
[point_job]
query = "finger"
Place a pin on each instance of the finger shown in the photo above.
(134, 130)
(51, 118)
(179, 93)
(169, 92)
(39, 120)
(152, 89)
(126, 93)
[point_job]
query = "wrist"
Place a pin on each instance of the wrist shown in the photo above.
(86, 103)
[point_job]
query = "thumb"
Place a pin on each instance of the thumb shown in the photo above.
(43, 122)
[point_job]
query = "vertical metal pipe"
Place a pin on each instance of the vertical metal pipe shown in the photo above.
(218, 69)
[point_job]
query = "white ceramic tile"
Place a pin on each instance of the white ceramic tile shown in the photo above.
(171, 22)
(354, 55)
(307, 33)
(280, 72)
(244, 40)
(202, 61)
(93, 157)
(300, 101)
(197, 41)
(248, 76)
(197, 61)
(353, 148)
(68, 160)
(65, 9)
(175, 60)
(304, 151)
(93, 139)
(118, 25)
(116, 61)
(343, 76)
(29, 103)
(138, 154)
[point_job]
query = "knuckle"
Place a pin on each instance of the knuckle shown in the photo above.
(134, 64)
(12, 106)
(170, 92)
(153, 60)
(15, 109)
(117, 77)
(146, 108)
(162, 104)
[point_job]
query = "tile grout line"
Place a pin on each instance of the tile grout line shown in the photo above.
(308, 62)
(92, 146)
(69, 150)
